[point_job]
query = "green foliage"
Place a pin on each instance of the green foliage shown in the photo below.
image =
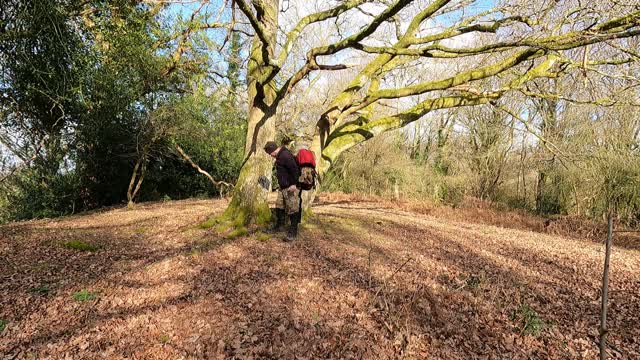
(233, 70)
(374, 174)
(557, 190)
(80, 245)
(5, 208)
(43, 62)
(618, 179)
(164, 339)
(608, 178)
(84, 295)
(527, 320)
(40, 290)
(3, 324)
(111, 94)
(572, 159)
(41, 194)
(211, 132)
(128, 89)
(489, 134)
(449, 190)
(473, 282)
(512, 201)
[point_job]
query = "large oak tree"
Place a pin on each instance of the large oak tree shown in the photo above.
(462, 53)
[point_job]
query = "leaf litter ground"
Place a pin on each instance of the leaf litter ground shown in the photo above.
(367, 279)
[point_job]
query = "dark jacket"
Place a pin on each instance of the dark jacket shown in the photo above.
(287, 169)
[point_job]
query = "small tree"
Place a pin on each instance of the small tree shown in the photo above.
(490, 140)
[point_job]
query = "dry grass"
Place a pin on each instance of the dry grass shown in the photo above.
(367, 280)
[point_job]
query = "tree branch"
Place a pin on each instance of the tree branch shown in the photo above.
(300, 74)
(184, 37)
(217, 184)
(253, 20)
(534, 48)
(294, 34)
(462, 78)
(376, 68)
(26, 162)
(467, 27)
(351, 134)
(365, 32)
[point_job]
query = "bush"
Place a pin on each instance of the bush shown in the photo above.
(387, 165)
(41, 195)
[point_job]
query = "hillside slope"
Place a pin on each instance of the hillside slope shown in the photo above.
(365, 280)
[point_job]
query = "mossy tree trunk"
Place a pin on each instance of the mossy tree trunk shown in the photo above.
(249, 203)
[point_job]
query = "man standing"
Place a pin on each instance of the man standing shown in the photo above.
(289, 200)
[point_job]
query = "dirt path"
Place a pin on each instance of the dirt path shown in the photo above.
(365, 281)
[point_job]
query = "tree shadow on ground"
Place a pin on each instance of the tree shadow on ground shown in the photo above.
(564, 292)
(352, 287)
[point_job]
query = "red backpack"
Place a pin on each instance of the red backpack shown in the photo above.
(307, 163)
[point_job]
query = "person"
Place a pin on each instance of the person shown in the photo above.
(289, 199)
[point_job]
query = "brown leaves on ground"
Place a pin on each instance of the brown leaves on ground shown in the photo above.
(365, 280)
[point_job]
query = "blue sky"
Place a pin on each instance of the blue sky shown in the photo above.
(185, 11)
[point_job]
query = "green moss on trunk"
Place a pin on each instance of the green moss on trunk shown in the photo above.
(249, 204)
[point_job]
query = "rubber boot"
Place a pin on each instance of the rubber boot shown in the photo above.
(279, 224)
(292, 233)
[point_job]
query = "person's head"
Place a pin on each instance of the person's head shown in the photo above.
(271, 148)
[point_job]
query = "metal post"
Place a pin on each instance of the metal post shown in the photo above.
(605, 291)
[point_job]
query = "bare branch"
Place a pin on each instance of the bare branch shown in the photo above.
(184, 37)
(302, 73)
(467, 27)
(374, 66)
(459, 79)
(365, 32)
(294, 34)
(604, 101)
(25, 163)
(187, 158)
(550, 146)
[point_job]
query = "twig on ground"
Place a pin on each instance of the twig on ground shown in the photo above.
(392, 275)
